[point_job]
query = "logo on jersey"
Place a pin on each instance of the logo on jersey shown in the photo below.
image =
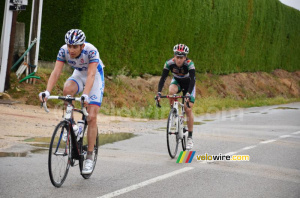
(176, 71)
(84, 52)
(71, 62)
(92, 54)
(82, 61)
(61, 52)
(93, 97)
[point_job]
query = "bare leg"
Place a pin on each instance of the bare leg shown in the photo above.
(92, 129)
(173, 89)
(190, 116)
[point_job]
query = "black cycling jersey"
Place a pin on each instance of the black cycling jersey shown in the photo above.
(184, 74)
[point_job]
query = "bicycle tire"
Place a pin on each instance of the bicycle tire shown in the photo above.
(172, 133)
(84, 147)
(59, 154)
(183, 142)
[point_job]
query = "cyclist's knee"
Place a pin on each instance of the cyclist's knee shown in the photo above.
(92, 118)
(173, 89)
(70, 88)
(188, 109)
(69, 91)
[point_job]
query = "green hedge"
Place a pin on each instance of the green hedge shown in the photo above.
(137, 36)
(224, 36)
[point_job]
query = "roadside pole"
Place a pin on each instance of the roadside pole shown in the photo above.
(5, 38)
(10, 7)
(11, 49)
(35, 32)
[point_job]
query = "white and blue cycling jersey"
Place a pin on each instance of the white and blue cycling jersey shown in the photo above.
(80, 64)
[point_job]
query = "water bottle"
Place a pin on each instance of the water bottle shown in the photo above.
(80, 124)
(75, 129)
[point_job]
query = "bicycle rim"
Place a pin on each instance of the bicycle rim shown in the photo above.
(59, 154)
(84, 151)
(172, 134)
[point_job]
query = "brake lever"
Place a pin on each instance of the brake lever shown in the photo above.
(187, 103)
(84, 108)
(157, 102)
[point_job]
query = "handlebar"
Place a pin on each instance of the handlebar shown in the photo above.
(65, 98)
(173, 97)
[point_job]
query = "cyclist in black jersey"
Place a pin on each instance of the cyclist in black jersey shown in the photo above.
(183, 70)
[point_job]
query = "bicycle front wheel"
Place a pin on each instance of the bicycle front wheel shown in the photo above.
(59, 154)
(172, 133)
(184, 141)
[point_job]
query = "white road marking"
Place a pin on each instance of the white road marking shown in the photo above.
(267, 141)
(230, 153)
(165, 176)
(284, 136)
(262, 142)
(145, 183)
(249, 147)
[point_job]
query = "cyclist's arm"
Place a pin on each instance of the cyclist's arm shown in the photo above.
(163, 79)
(92, 69)
(193, 80)
(55, 75)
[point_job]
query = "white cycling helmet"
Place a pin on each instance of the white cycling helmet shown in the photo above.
(75, 37)
(180, 50)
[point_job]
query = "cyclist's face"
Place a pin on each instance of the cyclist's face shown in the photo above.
(75, 50)
(179, 60)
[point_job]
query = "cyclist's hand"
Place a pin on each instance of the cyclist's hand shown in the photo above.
(158, 96)
(47, 94)
(157, 99)
(189, 96)
(86, 99)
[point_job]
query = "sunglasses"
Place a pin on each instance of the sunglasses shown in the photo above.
(180, 53)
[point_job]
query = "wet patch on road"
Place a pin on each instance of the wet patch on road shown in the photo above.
(13, 154)
(161, 129)
(284, 108)
(41, 144)
(44, 142)
(196, 123)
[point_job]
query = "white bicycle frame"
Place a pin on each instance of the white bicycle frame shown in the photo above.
(179, 119)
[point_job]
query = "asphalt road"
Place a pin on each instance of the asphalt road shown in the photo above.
(141, 166)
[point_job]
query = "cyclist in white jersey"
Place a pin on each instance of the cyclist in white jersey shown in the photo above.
(88, 78)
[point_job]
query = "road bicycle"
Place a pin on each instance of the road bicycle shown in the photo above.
(65, 147)
(176, 126)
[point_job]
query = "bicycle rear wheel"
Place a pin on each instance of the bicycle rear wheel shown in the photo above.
(59, 154)
(84, 152)
(172, 133)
